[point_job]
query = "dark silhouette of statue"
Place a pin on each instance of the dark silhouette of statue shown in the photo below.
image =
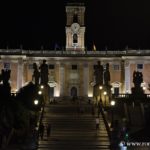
(107, 75)
(5, 87)
(5, 76)
(44, 73)
(36, 74)
(137, 90)
(98, 73)
(137, 79)
(98, 79)
(0, 77)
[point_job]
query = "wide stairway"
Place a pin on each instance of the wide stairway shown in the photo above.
(72, 129)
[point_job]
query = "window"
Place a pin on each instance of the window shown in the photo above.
(7, 66)
(139, 66)
(30, 66)
(75, 18)
(75, 38)
(51, 66)
(74, 67)
(116, 67)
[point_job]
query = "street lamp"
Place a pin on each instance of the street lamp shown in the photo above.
(144, 88)
(36, 102)
(40, 92)
(112, 103)
(105, 93)
(42, 86)
(100, 88)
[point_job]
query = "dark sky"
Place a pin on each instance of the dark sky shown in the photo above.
(111, 23)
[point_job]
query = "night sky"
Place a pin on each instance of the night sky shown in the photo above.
(109, 23)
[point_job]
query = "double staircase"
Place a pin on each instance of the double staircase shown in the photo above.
(73, 127)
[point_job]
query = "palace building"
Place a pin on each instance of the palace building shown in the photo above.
(71, 70)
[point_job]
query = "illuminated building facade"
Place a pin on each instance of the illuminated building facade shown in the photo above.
(71, 70)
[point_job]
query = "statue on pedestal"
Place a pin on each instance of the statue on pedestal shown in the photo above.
(107, 76)
(36, 74)
(98, 73)
(137, 80)
(5, 76)
(98, 79)
(44, 73)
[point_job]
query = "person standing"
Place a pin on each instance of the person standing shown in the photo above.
(97, 123)
(48, 129)
(41, 131)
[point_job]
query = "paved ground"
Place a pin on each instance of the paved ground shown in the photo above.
(72, 130)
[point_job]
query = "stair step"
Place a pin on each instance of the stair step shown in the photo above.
(73, 130)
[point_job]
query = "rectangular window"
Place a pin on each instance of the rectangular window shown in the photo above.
(74, 67)
(51, 66)
(30, 66)
(116, 67)
(139, 66)
(7, 66)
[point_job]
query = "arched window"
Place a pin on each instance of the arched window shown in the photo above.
(75, 38)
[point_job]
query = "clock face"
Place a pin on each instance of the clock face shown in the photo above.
(75, 27)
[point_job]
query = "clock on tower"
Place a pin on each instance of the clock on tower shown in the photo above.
(75, 27)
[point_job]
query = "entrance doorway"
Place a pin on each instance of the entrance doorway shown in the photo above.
(116, 90)
(51, 91)
(73, 92)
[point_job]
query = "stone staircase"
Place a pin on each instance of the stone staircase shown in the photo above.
(71, 129)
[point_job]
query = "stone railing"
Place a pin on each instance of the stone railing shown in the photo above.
(127, 96)
(71, 52)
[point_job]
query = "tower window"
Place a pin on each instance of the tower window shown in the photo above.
(74, 67)
(139, 66)
(75, 18)
(51, 66)
(75, 38)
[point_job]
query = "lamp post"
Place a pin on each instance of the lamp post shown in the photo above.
(112, 103)
(105, 93)
(100, 88)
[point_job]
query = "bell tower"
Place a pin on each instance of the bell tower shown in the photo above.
(75, 29)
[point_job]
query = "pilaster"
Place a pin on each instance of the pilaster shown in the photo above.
(20, 74)
(127, 77)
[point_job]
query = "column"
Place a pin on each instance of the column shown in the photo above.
(81, 75)
(57, 78)
(20, 74)
(66, 78)
(85, 79)
(90, 87)
(127, 78)
(62, 79)
(122, 76)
